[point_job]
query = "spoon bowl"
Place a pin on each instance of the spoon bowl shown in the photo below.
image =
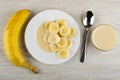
(88, 19)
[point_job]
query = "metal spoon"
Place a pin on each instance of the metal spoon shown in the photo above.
(88, 21)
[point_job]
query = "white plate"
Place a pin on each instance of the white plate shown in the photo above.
(30, 36)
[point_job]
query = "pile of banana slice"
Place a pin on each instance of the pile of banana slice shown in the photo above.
(58, 35)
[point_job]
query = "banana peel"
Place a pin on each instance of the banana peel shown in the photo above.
(11, 39)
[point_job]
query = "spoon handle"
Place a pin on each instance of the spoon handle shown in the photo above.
(84, 45)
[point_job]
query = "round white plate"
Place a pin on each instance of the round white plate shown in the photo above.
(31, 42)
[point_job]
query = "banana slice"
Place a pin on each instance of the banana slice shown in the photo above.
(63, 53)
(53, 38)
(69, 43)
(65, 31)
(45, 37)
(61, 22)
(53, 28)
(62, 43)
(53, 47)
(72, 33)
(47, 25)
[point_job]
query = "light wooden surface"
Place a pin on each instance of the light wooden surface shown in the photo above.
(98, 66)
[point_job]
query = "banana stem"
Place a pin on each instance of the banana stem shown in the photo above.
(31, 67)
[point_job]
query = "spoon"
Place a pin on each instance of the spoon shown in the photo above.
(88, 21)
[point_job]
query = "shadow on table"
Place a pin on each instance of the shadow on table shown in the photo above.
(22, 38)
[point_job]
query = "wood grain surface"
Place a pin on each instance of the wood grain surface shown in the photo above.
(98, 66)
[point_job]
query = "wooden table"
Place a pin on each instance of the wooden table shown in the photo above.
(98, 66)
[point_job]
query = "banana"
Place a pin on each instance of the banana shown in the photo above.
(53, 47)
(47, 25)
(72, 33)
(63, 53)
(11, 39)
(65, 31)
(61, 22)
(62, 43)
(53, 38)
(69, 43)
(45, 37)
(53, 28)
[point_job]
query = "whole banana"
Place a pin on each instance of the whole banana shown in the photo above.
(11, 39)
